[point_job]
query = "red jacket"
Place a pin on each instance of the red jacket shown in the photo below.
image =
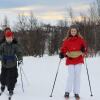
(73, 44)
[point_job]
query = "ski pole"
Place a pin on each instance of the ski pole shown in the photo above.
(21, 79)
(55, 79)
(25, 76)
(88, 78)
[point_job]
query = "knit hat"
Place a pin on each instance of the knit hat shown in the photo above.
(9, 34)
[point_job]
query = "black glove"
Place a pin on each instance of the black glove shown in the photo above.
(83, 49)
(61, 55)
(20, 62)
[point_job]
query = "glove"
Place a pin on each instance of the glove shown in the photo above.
(20, 62)
(61, 56)
(83, 49)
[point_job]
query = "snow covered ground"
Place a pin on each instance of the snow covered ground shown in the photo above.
(41, 73)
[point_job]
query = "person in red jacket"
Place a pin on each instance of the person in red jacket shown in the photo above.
(74, 49)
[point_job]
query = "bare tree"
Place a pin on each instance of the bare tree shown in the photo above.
(98, 4)
(32, 21)
(93, 13)
(22, 22)
(5, 23)
(62, 23)
(71, 14)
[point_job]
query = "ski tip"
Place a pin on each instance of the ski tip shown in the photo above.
(91, 95)
(9, 99)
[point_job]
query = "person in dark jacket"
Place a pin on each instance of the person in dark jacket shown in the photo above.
(10, 52)
(2, 38)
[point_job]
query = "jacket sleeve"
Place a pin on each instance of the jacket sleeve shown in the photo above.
(63, 48)
(19, 53)
(1, 49)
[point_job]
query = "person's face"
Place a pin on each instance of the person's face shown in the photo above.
(73, 31)
(9, 39)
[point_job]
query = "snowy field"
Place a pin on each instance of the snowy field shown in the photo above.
(40, 73)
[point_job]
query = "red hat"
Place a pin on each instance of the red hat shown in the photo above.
(9, 34)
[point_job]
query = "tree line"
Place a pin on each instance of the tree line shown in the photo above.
(39, 38)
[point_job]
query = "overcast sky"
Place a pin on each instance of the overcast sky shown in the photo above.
(48, 11)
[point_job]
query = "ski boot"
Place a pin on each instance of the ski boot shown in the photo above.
(77, 97)
(10, 94)
(2, 89)
(66, 95)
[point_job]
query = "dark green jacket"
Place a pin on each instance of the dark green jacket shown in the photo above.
(10, 54)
